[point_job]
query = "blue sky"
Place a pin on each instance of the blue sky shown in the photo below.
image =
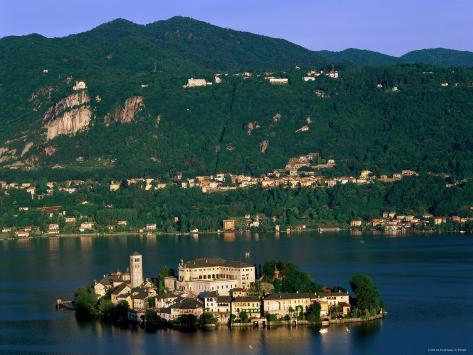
(392, 27)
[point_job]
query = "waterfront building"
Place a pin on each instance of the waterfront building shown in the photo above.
(333, 298)
(251, 305)
(182, 306)
(229, 225)
(219, 306)
(283, 304)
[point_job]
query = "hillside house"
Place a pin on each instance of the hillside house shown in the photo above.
(191, 83)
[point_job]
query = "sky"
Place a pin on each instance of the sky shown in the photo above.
(388, 26)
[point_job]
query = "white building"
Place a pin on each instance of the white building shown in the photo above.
(333, 298)
(278, 81)
(212, 274)
(283, 304)
(191, 83)
(219, 306)
(80, 85)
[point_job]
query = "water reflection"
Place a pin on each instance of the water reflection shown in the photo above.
(85, 242)
(229, 237)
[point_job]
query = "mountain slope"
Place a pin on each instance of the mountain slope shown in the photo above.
(360, 57)
(440, 56)
(111, 102)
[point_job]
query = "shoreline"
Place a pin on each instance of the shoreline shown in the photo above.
(352, 232)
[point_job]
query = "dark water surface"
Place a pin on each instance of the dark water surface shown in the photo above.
(426, 282)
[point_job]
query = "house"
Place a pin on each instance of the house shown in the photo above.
(195, 83)
(229, 225)
(22, 234)
(53, 228)
(283, 304)
(324, 308)
(165, 300)
(122, 293)
(80, 85)
(439, 220)
(70, 219)
(114, 186)
(333, 74)
(122, 223)
(346, 308)
(110, 281)
(356, 223)
(86, 226)
(308, 78)
(278, 81)
(150, 227)
(182, 306)
(238, 292)
(219, 306)
(141, 297)
(251, 305)
(333, 298)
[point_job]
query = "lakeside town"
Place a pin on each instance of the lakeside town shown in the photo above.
(208, 292)
(305, 171)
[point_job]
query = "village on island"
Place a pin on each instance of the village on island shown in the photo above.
(208, 292)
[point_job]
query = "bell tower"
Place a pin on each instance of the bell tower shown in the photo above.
(136, 269)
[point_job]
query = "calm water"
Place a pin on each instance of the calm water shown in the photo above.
(425, 281)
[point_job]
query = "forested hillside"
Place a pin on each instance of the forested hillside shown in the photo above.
(132, 116)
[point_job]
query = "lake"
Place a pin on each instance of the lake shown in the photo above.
(426, 282)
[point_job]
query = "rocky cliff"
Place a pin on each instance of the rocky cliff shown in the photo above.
(125, 114)
(68, 116)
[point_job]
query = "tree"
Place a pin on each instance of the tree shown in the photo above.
(313, 313)
(208, 318)
(244, 317)
(86, 302)
(163, 273)
(105, 308)
(151, 316)
(366, 293)
(120, 310)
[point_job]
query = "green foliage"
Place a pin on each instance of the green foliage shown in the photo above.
(309, 206)
(292, 279)
(105, 309)
(244, 317)
(86, 302)
(164, 271)
(313, 313)
(208, 318)
(271, 316)
(366, 293)
(186, 321)
(151, 316)
(120, 310)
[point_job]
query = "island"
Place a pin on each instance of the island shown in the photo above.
(210, 292)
